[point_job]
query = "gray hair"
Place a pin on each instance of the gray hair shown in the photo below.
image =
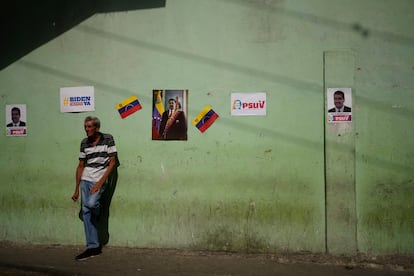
(95, 121)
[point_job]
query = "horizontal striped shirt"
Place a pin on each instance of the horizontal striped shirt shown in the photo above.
(96, 158)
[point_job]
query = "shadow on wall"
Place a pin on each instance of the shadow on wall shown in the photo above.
(26, 25)
(74, 17)
(356, 27)
(227, 66)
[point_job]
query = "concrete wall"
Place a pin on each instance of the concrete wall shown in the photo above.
(257, 184)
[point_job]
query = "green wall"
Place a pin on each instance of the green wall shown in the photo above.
(255, 184)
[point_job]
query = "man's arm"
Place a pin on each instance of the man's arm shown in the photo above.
(79, 171)
(98, 185)
(182, 126)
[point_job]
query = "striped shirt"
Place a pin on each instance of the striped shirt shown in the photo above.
(96, 157)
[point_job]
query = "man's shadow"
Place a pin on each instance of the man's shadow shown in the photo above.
(105, 202)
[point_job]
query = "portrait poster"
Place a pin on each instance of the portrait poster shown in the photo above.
(169, 114)
(339, 105)
(16, 120)
(248, 104)
(77, 99)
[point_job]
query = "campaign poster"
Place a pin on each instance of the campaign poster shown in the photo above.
(248, 104)
(169, 114)
(339, 105)
(77, 99)
(16, 120)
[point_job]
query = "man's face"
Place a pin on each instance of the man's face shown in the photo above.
(171, 104)
(15, 116)
(338, 101)
(90, 129)
(237, 104)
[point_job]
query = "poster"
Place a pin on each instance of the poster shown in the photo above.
(77, 99)
(169, 114)
(248, 104)
(339, 105)
(16, 120)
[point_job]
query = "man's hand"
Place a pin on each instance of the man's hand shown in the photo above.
(95, 188)
(75, 195)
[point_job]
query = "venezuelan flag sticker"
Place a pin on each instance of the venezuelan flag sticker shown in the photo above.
(205, 118)
(128, 106)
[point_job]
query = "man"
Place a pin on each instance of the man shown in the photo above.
(237, 104)
(339, 99)
(97, 159)
(15, 114)
(173, 123)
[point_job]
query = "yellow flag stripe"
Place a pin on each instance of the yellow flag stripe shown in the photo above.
(158, 103)
(201, 115)
(126, 102)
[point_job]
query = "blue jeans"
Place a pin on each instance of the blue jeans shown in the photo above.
(90, 210)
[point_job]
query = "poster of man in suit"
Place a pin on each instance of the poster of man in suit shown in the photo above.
(16, 123)
(339, 104)
(169, 117)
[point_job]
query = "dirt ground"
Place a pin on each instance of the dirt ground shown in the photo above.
(59, 260)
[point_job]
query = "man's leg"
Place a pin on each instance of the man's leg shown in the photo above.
(90, 210)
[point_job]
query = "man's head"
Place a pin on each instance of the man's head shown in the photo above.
(171, 103)
(339, 99)
(237, 104)
(92, 125)
(15, 114)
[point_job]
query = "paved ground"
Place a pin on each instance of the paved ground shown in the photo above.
(59, 260)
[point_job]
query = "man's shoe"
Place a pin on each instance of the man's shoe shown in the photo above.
(97, 251)
(89, 253)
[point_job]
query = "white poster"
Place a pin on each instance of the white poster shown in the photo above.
(248, 104)
(339, 105)
(77, 99)
(16, 120)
